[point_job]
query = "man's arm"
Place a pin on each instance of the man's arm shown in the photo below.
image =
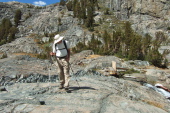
(53, 50)
(166, 89)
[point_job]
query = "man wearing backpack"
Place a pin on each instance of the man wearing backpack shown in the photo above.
(61, 49)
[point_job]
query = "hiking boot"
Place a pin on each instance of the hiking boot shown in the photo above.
(61, 87)
(66, 88)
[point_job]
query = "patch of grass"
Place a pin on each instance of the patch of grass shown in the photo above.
(33, 35)
(92, 56)
(30, 54)
(130, 71)
(121, 74)
(42, 56)
(156, 104)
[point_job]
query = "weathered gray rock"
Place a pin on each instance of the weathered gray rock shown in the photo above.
(96, 94)
(21, 45)
(6, 11)
(45, 39)
(154, 72)
(34, 88)
(146, 16)
(163, 48)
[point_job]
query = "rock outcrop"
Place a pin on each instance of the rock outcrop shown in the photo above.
(28, 84)
(95, 94)
(147, 16)
(21, 45)
(31, 85)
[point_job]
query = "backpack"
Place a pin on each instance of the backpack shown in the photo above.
(64, 45)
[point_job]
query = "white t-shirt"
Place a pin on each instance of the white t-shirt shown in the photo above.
(60, 49)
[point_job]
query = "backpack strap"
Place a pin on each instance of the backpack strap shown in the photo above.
(64, 45)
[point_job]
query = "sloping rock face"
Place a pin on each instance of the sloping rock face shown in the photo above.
(147, 16)
(96, 94)
(31, 85)
(21, 45)
(42, 20)
(8, 9)
(38, 20)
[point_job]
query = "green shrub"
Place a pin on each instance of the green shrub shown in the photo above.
(106, 11)
(168, 28)
(2, 42)
(130, 71)
(4, 56)
(59, 21)
(42, 56)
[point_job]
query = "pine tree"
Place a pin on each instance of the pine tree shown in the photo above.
(128, 37)
(7, 31)
(2, 32)
(91, 44)
(6, 24)
(146, 44)
(90, 16)
(106, 39)
(94, 44)
(78, 12)
(62, 2)
(83, 10)
(160, 39)
(135, 48)
(17, 17)
(12, 32)
(70, 6)
(155, 58)
(75, 8)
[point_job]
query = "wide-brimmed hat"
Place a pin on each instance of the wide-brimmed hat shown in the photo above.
(58, 38)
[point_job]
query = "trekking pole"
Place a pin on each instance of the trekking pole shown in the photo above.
(49, 70)
(75, 77)
(49, 74)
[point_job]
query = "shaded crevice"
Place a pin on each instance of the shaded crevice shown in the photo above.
(103, 103)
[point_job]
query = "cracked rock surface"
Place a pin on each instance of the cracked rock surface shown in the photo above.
(95, 95)
(28, 85)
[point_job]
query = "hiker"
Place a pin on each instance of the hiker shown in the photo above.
(61, 49)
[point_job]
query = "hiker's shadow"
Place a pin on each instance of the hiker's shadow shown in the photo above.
(78, 88)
